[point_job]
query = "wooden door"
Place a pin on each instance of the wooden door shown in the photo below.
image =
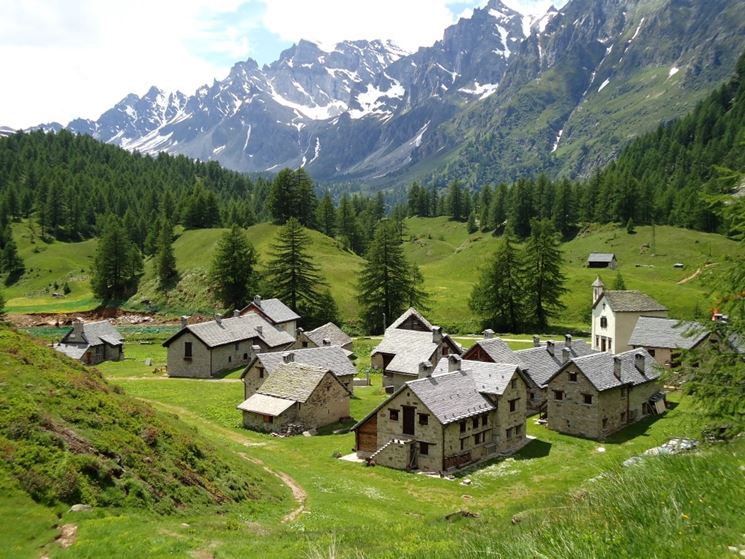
(408, 420)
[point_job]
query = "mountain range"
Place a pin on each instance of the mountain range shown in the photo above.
(501, 95)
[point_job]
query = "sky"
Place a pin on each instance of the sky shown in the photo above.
(62, 59)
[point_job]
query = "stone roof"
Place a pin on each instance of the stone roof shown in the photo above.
(406, 315)
(599, 369)
(667, 333)
(409, 347)
(540, 365)
(236, 329)
(489, 378)
(95, 333)
(601, 257)
(274, 309)
(265, 405)
(498, 350)
(75, 351)
(330, 332)
(293, 381)
(630, 301)
(332, 358)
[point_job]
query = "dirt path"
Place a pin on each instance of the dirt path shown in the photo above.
(67, 536)
(695, 274)
(298, 493)
(227, 380)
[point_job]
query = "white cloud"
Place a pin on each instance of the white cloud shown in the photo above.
(408, 23)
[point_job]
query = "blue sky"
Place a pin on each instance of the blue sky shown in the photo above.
(60, 59)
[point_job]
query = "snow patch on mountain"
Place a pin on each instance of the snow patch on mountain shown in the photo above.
(602, 85)
(672, 72)
(481, 90)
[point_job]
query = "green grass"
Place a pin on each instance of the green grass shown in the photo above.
(449, 259)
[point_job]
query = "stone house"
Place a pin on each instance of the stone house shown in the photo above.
(664, 338)
(209, 348)
(92, 342)
(540, 362)
(602, 260)
(275, 312)
(457, 414)
(408, 342)
(333, 358)
(614, 315)
(596, 395)
(490, 350)
(326, 335)
(297, 394)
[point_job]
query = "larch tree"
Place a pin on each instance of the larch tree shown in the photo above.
(499, 296)
(388, 284)
(544, 279)
(233, 271)
(117, 264)
(165, 259)
(293, 276)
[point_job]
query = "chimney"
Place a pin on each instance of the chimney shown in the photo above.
(536, 341)
(256, 349)
(550, 347)
(566, 355)
(257, 300)
(300, 330)
(436, 334)
(454, 363)
(236, 313)
(326, 342)
(260, 330)
(568, 341)
(425, 369)
(288, 357)
(617, 367)
(639, 361)
(184, 321)
(77, 329)
(218, 318)
(488, 334)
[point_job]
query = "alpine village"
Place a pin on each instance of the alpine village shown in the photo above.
(485, 299)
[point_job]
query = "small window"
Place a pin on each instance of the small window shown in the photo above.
(518, 430)
(237, 345)
(230, 358)
(572, 377)
(513, 383)
(462, 426)
(651, 352)
(445, 351)
(623, 417)
(478, 438)
(245, 356)
(423, 419)
(513, 404)
(587, 398)
(605, 422)
(268, 419)
(603, 322)
(558, 395)
(393, 414)
(261, 372)
(532, 395)
(475, 422)
(509, 433)
(305, 344)
(187, 350)
(484, 420)
(424, 449)
(463, 443)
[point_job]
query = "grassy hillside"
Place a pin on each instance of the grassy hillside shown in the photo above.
(450, 261)
(449, 258)
(67, 436)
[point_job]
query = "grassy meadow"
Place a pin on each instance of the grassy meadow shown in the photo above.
(449, 258)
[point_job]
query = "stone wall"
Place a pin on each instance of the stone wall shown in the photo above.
(255, 421)
(199, 366)
(328, 404)
(509, 428)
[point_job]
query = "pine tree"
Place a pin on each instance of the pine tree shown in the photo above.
(326, 216)
(455, 201)
(232, 273)
(471, 226)
(388, 284)
(165, 259)
(499, 296)
(293, 276)
(117, 264)
(545, 282)
(10, 261)
(619, 284)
